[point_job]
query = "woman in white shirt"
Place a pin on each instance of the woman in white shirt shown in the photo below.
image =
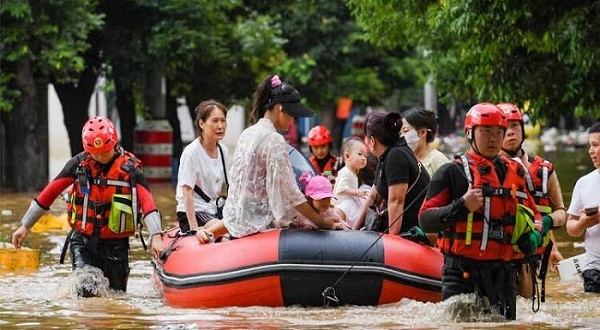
(202, 177)
(263, 193)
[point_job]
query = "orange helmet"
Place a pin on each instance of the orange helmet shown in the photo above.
(319, 135)
(484, 114)
(99, 135)
(511, 111)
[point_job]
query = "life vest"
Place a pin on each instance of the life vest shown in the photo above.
(487, 233)
(537, 177)
(537, 182)
(329, 165)
(105, 204)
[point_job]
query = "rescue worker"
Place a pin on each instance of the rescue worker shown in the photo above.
(321, 158)
(543, 184)
(485, 217)
(108, 191)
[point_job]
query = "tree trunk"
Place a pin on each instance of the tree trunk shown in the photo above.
(75, 98)
(75, 101)
(28, 129)
(126, 109)
(154, 93)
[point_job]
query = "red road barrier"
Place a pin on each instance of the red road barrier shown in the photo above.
(153, 145)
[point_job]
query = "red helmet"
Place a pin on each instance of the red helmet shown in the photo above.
(99, 135)
(319, 135)
(511, 111)
(484, 114)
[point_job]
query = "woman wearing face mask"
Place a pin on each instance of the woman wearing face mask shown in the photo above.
(419, 127)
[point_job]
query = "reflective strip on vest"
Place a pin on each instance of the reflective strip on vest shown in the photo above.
(487, 201)
(110, 182)
(544, 180)
(465, 163)
(469, 233)
(528, 178)
(86, 199)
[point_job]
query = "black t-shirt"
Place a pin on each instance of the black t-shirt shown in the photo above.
(399, 165)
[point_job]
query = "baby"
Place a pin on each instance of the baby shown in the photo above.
(350, 196)
(318, 191)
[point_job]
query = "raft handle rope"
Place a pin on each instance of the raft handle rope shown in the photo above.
(328, 293)
(179, 234)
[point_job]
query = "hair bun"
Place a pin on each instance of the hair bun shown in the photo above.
(393, 121)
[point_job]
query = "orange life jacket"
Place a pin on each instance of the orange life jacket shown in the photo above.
(537, 177)
(95, 192)
(537, 182)
(329, 165)
(488, 239)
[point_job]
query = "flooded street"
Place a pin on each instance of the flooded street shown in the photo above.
(44, 299)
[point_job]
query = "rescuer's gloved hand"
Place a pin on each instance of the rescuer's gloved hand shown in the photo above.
(529, 242)
(548, 223)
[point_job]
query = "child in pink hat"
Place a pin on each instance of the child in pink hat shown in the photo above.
(319, 191)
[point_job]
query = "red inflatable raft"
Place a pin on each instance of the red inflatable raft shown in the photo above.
(297, 267)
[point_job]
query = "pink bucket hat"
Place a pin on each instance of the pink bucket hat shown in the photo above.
(318, 188)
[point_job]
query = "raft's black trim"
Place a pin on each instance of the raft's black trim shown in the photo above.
(263, 270)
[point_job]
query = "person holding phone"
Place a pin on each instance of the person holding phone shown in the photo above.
(583, 217)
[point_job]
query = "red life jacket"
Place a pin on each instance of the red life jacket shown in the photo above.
(94, 192)
(488, 239)
(539, 174)
(537, 177)
(329, 165)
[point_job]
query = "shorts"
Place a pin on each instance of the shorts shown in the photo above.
(201, 217)
(591, 280)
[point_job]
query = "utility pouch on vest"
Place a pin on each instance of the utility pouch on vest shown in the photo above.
(121, 214)
(524, 224)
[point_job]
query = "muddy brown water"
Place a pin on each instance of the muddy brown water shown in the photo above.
(42, 299)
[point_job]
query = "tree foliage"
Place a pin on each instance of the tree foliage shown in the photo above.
(326, 55)
(52, 36)
(544, 52)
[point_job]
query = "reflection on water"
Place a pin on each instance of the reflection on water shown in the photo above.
(43, 299)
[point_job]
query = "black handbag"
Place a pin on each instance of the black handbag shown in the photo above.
(376, 220)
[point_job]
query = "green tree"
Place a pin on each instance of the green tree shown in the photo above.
(39, 41)
(544, 52)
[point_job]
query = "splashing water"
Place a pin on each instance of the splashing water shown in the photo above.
(470, 308)
(88, 281)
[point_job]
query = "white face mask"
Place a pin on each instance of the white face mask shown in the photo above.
(412, 138)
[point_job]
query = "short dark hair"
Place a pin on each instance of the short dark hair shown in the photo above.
(595, 128)
(420, 118)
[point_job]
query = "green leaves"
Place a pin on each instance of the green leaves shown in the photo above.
(544, 52)
(52, 35)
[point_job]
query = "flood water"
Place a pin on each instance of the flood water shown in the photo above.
(44, 299)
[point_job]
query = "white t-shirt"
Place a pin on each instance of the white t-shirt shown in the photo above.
(345, 180)
(585, 194)
(197, 168)
(434, 160)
